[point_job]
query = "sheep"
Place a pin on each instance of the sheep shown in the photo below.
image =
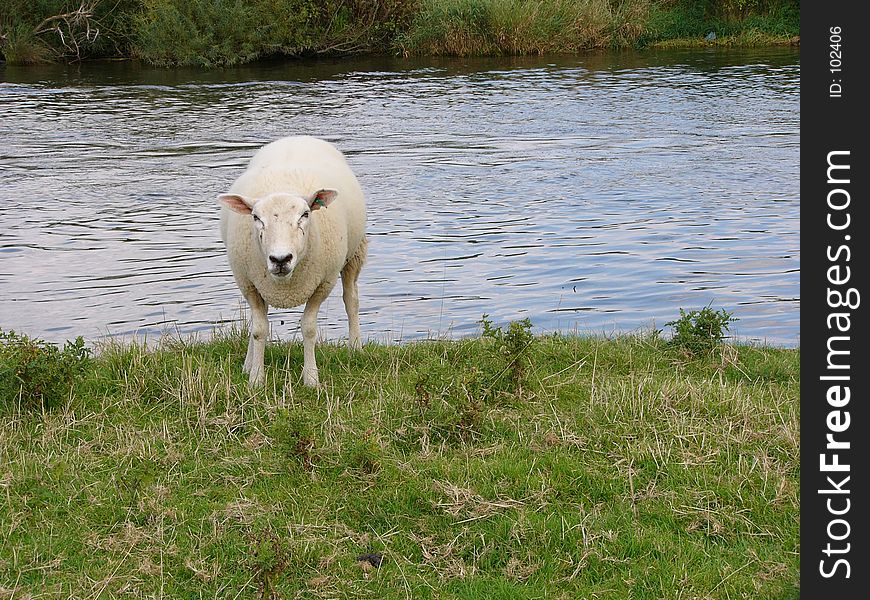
(291, 222)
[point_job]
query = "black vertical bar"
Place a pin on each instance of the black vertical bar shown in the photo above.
(835, 562)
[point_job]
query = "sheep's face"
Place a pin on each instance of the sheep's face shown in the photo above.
(281, 222)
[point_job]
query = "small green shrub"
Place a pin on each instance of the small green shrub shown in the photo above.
(449, 399)
(269, 558)
(700, 331)
(512, 346)
(364, 454)
(452, 392)
(467, 419)
(35, 374)
(293, 434)
(132, 481)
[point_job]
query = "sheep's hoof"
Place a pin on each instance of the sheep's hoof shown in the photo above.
(256, 378)
(310, 378)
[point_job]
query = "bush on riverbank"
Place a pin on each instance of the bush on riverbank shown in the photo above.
(207, 33)
(227, 32)
(65, 30)
(198, 32)
(35, 375)
(501, 467)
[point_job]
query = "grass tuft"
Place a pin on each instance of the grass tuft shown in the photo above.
(19, 46)
(35, 374)
(700, 331)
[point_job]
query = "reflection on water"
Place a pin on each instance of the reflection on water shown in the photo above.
(591, 194)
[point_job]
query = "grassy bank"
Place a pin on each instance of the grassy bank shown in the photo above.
(227, 32)
(500, 467)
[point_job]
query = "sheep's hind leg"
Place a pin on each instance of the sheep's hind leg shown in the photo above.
(350, 293)
(254, 358)
(309, 334)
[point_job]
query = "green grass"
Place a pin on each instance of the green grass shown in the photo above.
(743, 23)
(599, 468)
(510, 27)
(19, 45)
(491, 27)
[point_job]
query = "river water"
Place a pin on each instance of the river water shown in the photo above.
(592, 194)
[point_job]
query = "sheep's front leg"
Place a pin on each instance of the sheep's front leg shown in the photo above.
(254, 358)
(309, 335)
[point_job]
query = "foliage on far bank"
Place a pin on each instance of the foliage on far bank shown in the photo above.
(227, 32)
(197, 32)
(684, 23)
(208, 33)
(484, 27)
(36, 31)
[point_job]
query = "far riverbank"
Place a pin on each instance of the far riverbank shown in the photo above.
(206, 33)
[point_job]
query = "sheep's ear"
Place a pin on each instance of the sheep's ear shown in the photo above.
(322, 198)
(236, 203)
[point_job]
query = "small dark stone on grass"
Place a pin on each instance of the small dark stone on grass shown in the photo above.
(373, 559)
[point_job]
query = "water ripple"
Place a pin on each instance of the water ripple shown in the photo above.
(593, 194)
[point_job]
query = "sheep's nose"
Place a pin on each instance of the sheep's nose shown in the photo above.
(281, 260)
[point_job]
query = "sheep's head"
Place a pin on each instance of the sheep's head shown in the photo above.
(282, 221)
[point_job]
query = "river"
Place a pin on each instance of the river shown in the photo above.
(592, 194)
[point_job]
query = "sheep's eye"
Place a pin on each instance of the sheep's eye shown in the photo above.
(257, 219)
(305, 214)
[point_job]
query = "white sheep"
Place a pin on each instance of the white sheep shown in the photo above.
(291, 223)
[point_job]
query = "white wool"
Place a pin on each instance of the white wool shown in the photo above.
(333, 242)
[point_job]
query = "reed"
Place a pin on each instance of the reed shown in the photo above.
(487, 27)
